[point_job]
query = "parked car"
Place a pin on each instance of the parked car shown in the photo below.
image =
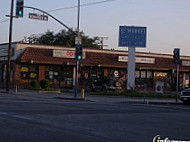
(185, 96)
(106, 84)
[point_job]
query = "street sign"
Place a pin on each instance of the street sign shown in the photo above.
(38, 17)
(78, 40)
(130, 36)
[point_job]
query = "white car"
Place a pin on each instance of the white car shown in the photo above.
(185, 96)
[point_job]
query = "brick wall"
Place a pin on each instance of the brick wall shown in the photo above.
(17, 73)
(41, 72)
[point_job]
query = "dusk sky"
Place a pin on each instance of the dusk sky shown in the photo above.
(167, 21)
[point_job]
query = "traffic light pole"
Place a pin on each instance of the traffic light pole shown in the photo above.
(8, 69)
(77, 62)
(177, 82)
(176, 60)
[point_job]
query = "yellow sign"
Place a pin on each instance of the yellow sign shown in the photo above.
(32, 75)
(24, 69)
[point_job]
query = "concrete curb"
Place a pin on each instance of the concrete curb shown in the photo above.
(50, 91)
(165, 103)
(156, 102)
(71, 99)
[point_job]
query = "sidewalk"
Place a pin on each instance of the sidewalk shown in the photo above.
(69, 95)
(155, 101)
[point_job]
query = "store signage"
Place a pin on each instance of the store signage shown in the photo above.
(24, 69)
(116, 73)
(130, 36)
(3, 51)
(185, 63)
(159, 88)
(38, 17)
(65, 54)
(32, 75)
(138, 60)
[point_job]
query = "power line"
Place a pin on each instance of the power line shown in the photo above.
(66, 8)
(4, 21)
(82, 5)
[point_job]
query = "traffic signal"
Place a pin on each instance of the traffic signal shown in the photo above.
(176, 56)
(19, 8)
(78, 53)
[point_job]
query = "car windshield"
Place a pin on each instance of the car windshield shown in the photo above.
(187, 89)
(186, 93)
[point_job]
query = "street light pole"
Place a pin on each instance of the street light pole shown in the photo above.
(78, 43)
(8, 69)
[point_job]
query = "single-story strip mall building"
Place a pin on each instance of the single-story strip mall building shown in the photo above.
(57, 64)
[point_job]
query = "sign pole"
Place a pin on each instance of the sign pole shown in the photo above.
(131, 68)
(132, 37)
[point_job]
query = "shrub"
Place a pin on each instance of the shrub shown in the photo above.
(34, 83)
(44, 83)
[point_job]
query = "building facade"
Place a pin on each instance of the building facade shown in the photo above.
(57, 64)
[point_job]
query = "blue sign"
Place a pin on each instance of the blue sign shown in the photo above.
(130, 36)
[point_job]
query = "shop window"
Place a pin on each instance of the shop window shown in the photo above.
(113, 72)
(28, 72)
(52, 73)
(4, 73)
(100, 73)
(85, 73)
(149, 74)
(137, 74)
(93, 74)
(143, 74)
(186, 81)
(160, 74)
(144, 77)
(65, 77)
(120, 73)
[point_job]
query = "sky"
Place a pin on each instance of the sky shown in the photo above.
(167, 21)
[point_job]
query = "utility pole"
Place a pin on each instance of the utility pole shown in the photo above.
(8, 69)
(78, 44)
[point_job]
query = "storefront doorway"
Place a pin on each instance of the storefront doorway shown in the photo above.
(66, 77)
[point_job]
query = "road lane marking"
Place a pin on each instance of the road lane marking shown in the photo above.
(163, 106)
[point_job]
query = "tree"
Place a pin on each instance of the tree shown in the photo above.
(47, 38)
(63, 38)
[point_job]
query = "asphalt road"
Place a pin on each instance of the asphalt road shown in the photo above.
(34, 118)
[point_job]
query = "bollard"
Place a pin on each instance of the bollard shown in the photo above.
(82, 93)
(16, 89)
